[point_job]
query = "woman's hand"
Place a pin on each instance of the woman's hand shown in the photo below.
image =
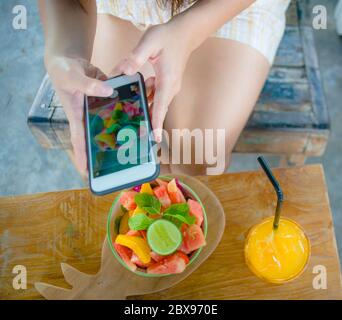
(73, 78)
(168, 52)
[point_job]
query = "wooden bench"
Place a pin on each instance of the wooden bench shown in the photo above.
(290, 118)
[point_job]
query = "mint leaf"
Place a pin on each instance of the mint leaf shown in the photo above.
(187, 220)
(139, 222)
(178, 208)
(114, 127)
(117, 114)
(123, 118)
(148, 202)
(175, 221)
(179, 212)
(117, 224)
(151, 210)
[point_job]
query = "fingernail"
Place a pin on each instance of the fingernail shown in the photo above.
(159, 135)
(107, 91)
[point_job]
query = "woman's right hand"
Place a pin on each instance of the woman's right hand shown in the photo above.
(73, 78)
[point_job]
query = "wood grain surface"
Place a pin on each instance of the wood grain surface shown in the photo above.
(41, 231)
(114, 282)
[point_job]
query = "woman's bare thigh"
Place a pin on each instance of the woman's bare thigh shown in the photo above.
(114, 40)
(220, 87)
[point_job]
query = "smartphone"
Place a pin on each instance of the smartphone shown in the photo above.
(119, 137)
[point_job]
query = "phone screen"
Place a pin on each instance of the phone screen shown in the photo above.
(118, 130)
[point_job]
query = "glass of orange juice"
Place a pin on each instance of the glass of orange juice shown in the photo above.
(277, 255)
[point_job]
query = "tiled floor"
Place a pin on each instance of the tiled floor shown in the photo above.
(27, 168)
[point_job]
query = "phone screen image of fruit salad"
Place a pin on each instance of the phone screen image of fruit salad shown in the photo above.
(118, 131)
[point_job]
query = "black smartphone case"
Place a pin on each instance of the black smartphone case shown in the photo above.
(128, 185)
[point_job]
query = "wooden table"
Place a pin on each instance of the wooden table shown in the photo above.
(40, 231)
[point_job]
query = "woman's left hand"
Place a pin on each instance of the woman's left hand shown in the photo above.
(168, 51)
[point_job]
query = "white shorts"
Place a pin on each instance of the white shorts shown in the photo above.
(260, 26)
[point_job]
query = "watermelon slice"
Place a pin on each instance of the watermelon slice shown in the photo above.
(183, 256)
(193, 239)
(143, 234)
(127, 200)
(133, 233)
(174, 263)
(196, 210)
(156, 257)
(162, 195)
(125, 254)
(162, 182)
(175, 194)
(135, 259)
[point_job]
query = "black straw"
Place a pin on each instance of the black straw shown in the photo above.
(280, 196)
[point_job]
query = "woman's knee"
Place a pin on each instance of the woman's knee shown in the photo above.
(194, 169)
(197, 152)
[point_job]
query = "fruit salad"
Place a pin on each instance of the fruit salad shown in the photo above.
(160, 229)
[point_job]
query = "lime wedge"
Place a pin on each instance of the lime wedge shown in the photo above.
(163, 237)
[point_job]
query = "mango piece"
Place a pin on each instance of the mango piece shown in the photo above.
(137, 244)
(118, 106)
(108, 122)
(138, 210)
(130, 212)
(146, 188)
(124, 228)
(108, 139)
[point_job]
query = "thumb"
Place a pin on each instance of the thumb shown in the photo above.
(162, 99)
(91, 87)
(137, 58)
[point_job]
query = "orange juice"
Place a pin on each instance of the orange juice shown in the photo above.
(278, 255)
